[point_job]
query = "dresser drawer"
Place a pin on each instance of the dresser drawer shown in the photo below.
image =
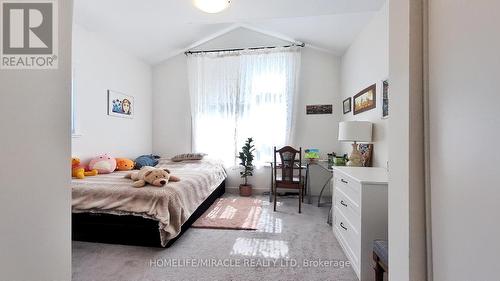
(349, 187)
(351, 238)
(359, 214)
(349, 208)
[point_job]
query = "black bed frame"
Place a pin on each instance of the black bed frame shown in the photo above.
(129, 229)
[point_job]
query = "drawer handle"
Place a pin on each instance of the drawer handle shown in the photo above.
(343, 203)
(342, 225)
(344, 181)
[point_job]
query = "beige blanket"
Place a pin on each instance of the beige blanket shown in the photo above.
(170, 205)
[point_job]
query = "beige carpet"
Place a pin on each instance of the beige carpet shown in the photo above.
(281, 236)
(232, 213)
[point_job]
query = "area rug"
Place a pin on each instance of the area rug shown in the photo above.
(232, 213)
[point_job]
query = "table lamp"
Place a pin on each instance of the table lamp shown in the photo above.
(355, 131)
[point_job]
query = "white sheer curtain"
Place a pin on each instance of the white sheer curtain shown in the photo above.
(237, 95)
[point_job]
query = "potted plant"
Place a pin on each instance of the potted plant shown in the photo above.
(246, 157)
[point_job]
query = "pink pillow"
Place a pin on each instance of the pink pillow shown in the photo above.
(104, 164)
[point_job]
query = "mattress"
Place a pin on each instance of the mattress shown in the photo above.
(170, 205)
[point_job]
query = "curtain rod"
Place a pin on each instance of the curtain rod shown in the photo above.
(241, 49)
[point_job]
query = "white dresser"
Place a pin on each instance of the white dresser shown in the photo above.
(359, 214)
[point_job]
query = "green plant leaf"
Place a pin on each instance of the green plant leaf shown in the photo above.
(246, 156)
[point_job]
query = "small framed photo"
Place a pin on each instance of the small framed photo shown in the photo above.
(319, 109)
(120, 105)
(365, 100)
(346, 105)
(385, 99)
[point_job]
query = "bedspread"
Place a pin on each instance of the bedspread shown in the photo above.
(170, 205)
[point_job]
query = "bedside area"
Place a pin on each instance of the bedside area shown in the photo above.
(359, 214)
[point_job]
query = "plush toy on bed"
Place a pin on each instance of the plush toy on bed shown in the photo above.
(104, 164)
(153, 176)
(77, 171)
(146, 160)
(124, 164)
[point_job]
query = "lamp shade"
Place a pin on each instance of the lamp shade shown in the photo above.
(355, 131)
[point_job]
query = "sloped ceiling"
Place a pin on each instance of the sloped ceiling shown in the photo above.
(157, 29)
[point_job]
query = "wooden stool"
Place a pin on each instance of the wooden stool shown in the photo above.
(381, 258)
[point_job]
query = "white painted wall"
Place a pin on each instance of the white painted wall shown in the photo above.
(399, 220)
(99, 66)
(366, 62)
(171, 107)
(464, 72)
(241, 38)
(35, 200)
(407, 244)
(319, 84)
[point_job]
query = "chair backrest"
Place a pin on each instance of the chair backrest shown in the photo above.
(288, 163)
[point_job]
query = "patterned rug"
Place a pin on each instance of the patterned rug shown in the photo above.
(232, 213)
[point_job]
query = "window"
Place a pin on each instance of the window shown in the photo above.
(235, 96)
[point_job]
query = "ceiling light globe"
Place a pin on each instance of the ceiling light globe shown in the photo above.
(212, 6)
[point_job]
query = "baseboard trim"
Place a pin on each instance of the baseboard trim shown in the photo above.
(255, 191)
(261, 191)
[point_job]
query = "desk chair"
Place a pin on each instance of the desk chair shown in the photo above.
(290, 163)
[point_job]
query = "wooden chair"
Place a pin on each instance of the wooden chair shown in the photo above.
(290, 178)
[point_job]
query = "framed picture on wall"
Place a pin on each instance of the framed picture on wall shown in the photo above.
(385, 99)
(319, 109)
(365, 100)
(120, 105)
(346, 105)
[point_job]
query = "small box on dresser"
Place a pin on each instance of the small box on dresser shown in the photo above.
(359, 214)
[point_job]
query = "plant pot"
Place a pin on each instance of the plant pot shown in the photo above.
(245, 190)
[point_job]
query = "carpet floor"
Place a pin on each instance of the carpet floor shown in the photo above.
(286, 246)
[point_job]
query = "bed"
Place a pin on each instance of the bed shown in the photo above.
(107, 209)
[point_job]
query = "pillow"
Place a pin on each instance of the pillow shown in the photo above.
(104, 164)
(188, 156)
(146, 160)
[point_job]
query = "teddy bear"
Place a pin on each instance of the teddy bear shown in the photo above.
(77, 171)
(153, 176)
(124, 164)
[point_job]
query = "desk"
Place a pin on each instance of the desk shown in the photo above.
(323, 164)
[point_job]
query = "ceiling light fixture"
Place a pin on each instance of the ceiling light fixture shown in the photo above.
(212, 6)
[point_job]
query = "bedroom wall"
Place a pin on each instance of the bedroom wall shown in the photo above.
(464, 196)
(319, 84)
(366, 62)
(35, 204)
(99, 66)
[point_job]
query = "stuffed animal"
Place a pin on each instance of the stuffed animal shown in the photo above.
(153, 176)
(77, 171)
(104, 164)
(146, 160)
(124, 164)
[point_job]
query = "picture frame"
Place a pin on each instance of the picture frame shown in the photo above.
(346, 105)
(385, 99)
(120, 105)
(366, 151)
(319, 109)
(365, 100)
